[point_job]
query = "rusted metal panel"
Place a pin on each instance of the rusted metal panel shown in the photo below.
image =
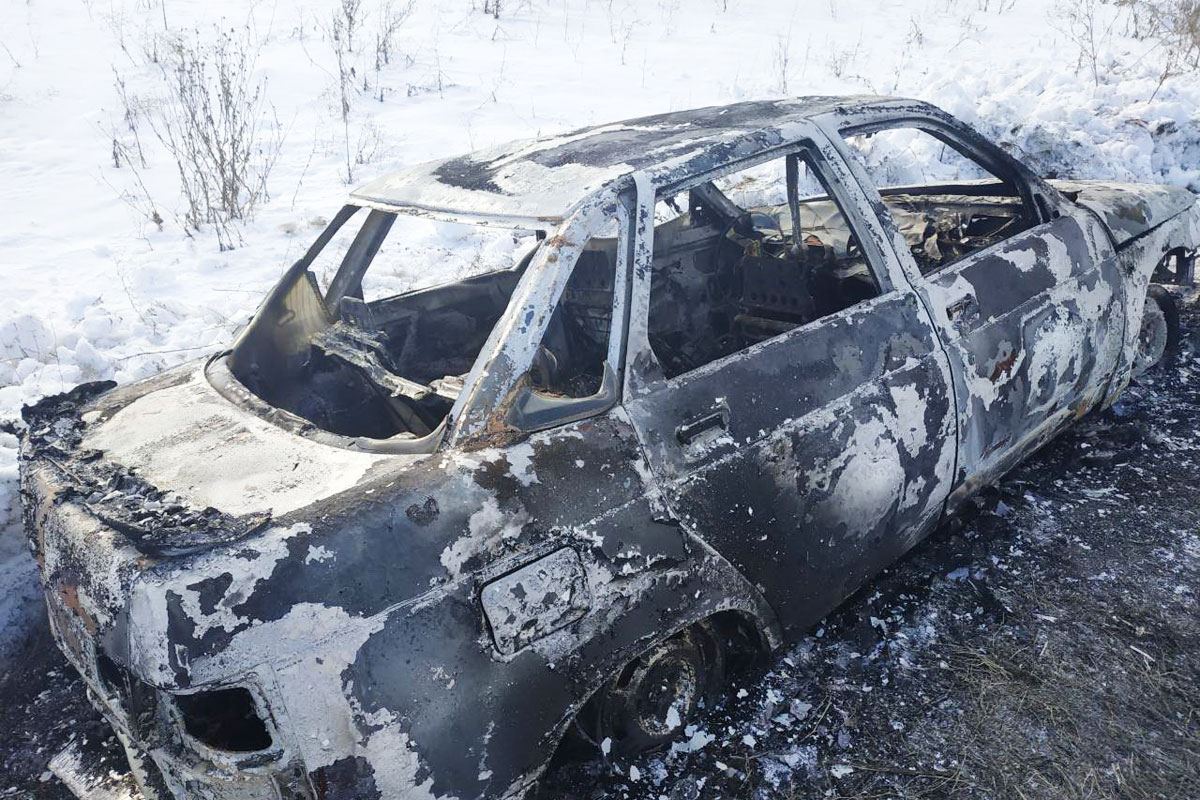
(538, 183)
(835, 458)
(536, 600)
(1045, 341)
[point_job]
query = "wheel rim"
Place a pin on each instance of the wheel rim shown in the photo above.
(656, 694)
(670, 684)
(1152, 337)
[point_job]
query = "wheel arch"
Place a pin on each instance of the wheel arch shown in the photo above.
(735, 616)
(723, 595)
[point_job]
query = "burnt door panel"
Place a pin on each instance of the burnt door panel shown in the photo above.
(1033, 329)
(813, 459)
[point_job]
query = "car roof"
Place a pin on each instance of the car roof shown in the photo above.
(536, 182)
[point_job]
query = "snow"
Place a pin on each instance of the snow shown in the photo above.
(95, 290)
(673, 719)
(697, 739)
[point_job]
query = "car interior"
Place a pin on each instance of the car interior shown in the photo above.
(724, 278)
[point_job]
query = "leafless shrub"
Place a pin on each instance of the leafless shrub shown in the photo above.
(440, 75)
(968, 29)
(127, 152)
(669, 8)
(1082, 25)
(622, 24)
(11, 57)
(626, 33)
(360, 141)
(348, 18)
(1173, 26)
(140, 199)
(916, 36)
(369, 145)
(391, 18)
(841, 61)
(344, 77)
(219, 129)
(132, 111)
(782, 54)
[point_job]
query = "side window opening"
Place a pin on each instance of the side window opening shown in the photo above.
(944, 201)
(570, 361)
(572, 375)
(748, 257)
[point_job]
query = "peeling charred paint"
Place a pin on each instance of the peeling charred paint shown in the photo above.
(536, 600)
(418, 608)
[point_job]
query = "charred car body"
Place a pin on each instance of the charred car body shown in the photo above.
(398, 546)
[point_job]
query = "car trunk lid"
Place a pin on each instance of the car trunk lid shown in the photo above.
(175, 466)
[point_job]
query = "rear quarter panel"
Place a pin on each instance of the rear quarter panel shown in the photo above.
(361, 620)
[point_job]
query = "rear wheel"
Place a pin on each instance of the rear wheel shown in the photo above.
(656, 694)
(1159, 333)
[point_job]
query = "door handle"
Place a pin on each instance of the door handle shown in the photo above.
(689, 431)
(964, 313)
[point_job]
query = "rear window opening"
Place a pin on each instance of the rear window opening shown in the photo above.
(571, 360)
(225, 719)
(362, 340)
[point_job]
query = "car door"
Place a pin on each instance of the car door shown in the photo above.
(1032, 321)
(812, 458)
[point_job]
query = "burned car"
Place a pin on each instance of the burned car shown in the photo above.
(713, 370)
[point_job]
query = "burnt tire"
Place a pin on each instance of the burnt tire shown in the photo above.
(649, 702)
(1159, 335)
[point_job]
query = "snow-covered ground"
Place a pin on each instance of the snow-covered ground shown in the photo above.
(93, 289)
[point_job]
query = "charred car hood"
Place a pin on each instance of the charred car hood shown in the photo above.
(175, 465)
(1128, 209)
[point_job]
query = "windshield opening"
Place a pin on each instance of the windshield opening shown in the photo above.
(373, 333)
